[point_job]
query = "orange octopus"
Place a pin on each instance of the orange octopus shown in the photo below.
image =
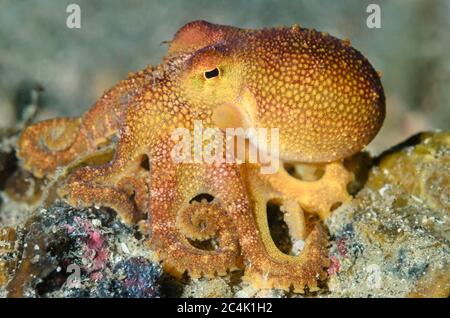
(322, 94)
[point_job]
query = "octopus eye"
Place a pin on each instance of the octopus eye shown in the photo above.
(212, 73)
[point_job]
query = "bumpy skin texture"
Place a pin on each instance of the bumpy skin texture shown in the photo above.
(322, 94)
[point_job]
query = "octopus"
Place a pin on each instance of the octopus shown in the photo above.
(209, 219)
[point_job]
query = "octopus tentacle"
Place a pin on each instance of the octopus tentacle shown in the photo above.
(121, 184)
(197, 221)
(266, 266)
(313, 196)
(49, 143)
(124, 190)
(58, 142)
(52, 143)
(175, 220)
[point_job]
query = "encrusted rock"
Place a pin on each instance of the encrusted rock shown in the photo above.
(393, 239)
(82, 253)
(8, 255)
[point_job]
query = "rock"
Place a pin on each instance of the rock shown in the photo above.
(208, 288)
(71, 252)
(393, 239)
(8, 256)
(140, 279)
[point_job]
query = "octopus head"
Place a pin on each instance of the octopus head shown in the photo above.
(214, 82)
(323, 95)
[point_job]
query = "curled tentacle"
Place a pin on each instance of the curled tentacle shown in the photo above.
(53, 143)
(177, 221)
(50, 143)
(200, 220)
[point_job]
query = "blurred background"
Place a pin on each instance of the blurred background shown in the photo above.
(75, 66)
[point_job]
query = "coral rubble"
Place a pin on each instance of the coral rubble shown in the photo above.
(393, 239)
